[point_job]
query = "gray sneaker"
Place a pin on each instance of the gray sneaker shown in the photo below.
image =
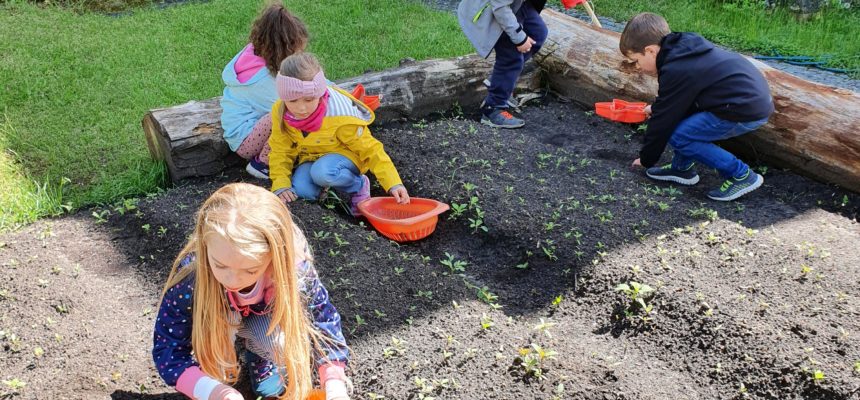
(686, 177)
(511, 102)
(501, 118)
(733, 188)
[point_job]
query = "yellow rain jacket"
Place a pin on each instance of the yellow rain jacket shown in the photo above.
(344, 131)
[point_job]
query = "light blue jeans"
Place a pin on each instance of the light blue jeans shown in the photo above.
(331, 170)
(693, 141)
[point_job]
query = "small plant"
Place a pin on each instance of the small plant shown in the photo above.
(15, 384)
(485, 295)
(639, 294)
(101, 217)
(557, 301)
(456, 266)
(397, 348)
(457, 210)
(532, 360)
(544, 326)
(703, 213)
(486, 322)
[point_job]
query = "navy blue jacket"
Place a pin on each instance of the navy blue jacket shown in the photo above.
(696, 76)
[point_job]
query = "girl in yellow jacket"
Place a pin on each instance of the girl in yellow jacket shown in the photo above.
(320, 139)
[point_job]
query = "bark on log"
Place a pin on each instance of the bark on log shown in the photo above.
(188, 137)
(815, 130)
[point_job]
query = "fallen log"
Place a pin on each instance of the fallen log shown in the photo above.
(815, 130)
(188, 137)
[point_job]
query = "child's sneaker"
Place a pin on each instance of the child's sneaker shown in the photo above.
(257, 168)
(362, 195)
(687, 177)
(737, 187)
(265, 379)
(511, 102)
(501, 118)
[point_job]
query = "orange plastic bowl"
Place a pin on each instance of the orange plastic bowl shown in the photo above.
(622, 111)
(403, 222)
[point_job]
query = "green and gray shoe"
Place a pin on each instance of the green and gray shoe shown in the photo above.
(686, 177)
(736, 187)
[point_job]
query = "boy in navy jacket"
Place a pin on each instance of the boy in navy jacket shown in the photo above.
(705, 94)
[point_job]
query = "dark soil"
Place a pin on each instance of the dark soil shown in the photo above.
(750, 298)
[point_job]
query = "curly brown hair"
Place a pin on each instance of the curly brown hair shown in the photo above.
(277, 34)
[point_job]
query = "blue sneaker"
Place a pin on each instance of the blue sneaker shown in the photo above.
(257, 168)
(686, 177)
(362, 195)
(736, 187)
(501, 118)
(265, 379)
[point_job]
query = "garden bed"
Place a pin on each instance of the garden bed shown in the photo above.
(756, 298)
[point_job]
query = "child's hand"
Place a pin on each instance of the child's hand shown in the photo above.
(636, 164)
(400, 194)
(647, 110)
(224, 392)
(288, 195)
(527, 46)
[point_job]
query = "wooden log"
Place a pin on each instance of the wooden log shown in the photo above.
(188, 137)
(815, 130)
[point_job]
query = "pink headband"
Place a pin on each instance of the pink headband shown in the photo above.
(291, 88)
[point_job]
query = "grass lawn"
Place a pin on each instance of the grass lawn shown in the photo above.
(75, 86)
(746, 25)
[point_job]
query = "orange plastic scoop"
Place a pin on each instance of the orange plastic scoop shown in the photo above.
(316, 394)
(403, 222)
(622, 111)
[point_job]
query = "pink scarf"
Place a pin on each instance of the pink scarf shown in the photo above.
(314, 121)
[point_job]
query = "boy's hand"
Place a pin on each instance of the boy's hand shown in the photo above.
(647, 110)
(527, 46)
(288, 196)
(636, 164)
(400, 194)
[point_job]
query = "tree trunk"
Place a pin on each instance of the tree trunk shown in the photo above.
(815, 130)
(188, 137)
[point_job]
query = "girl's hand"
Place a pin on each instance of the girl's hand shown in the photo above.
(636, 164)
(224, 392)
(400, 194)
(288, 195)
(647, 110)
(336, 389)
(527, 46)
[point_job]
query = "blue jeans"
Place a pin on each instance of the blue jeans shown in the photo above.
(331, 170)
(509, 61)
(693, 141)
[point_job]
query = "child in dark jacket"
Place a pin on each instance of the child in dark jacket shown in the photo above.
(705, 94)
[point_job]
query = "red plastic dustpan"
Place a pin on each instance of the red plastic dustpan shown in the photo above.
(622, 111)
(403, 222)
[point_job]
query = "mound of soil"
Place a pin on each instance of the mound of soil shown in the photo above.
(513, 297)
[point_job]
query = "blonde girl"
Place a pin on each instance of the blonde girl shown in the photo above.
(247, 272)
(320, 139)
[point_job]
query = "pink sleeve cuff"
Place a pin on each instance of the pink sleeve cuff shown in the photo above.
(332, 370)
(188, 379)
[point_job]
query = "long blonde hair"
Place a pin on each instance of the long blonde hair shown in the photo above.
(302, 66)
(258, 224)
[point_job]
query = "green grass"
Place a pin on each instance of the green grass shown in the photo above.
(76, 85)
(745, 25)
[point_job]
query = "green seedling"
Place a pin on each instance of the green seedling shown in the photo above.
(456, 266)
(544, 326)
(485, 295)
(486, 322)
(532, 360)
(15, 384)
(397, 348)
(457, 210)
(101, 216)
(557, 301)
(638, 294)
